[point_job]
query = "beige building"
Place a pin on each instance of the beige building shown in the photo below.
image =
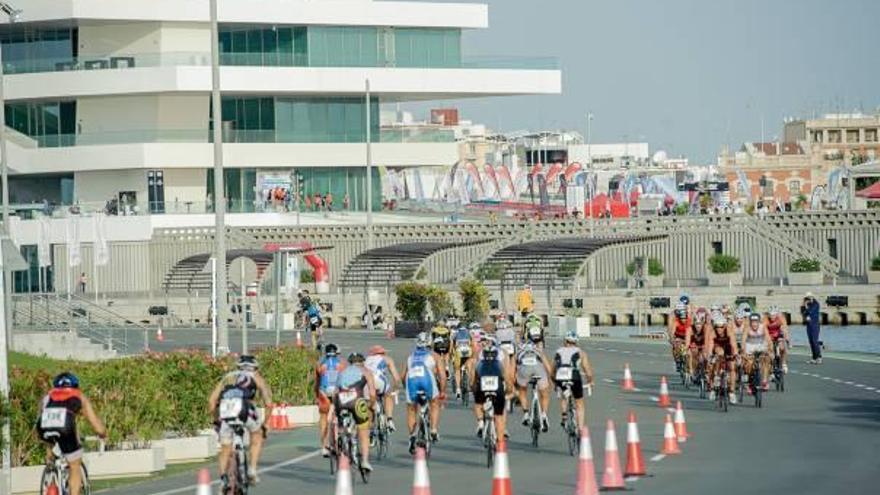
(775, 171)
(851, 138)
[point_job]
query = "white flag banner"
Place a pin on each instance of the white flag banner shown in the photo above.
(44, 246)
(74, 257)
(101, 249)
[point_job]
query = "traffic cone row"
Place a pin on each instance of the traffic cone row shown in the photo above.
(343, 476)
(635, 462)
(670, 441)
(612, 477)
(501, 484)
(681, 430)
(160, 337)
(278, 418)
(586, 481)
(421, 481)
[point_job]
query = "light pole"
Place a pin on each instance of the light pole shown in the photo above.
(369, 157)
(219, 189)
(590, 166)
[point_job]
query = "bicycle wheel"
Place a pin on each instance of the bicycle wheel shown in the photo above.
(47, 479)
(780, 384)
(572, 430)
(465, 393)
(490, 443)
(334, 452)
(365, 475)
(535, 426)
(242, 480)
(86, 483)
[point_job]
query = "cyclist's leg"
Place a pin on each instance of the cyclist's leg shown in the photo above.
(731, 374)
(765, 368)
(255, 426)
(544, 395)
(362, 417)
(783, 353)
(323, 414)
(500, 417)
(74, 473)
(225, 448)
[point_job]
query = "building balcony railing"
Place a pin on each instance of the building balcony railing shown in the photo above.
(389, 135)
(172, 59)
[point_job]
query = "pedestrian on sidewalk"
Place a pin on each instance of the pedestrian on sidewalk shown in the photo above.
(812, 319)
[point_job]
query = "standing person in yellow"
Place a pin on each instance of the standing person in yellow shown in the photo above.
(525, 303)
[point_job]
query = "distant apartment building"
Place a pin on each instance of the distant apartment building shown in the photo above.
(774, 172)
(848, 138)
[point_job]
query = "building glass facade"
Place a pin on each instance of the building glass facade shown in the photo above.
(50, 123)
(427, 47)
(37, 50)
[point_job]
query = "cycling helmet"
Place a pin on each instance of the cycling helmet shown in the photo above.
(571, 337)
(331, 350)
(744, 307)
(488, 340)
(422, 340)
(66, 380)
(684, 299)
(741, 314)
(475, 326)
(681, 311)
(773, 310)
(376, 349)
(715, 308)
(356, 357)
(248, 362)
(701, 315)
(718, 321)
(754, 317)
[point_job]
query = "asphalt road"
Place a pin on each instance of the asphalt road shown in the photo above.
(822, 435)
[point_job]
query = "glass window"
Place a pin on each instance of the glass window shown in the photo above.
(50, 123)
(37, 50)
(416, 47)
(870, 135)
(794, 188)
(852, 136)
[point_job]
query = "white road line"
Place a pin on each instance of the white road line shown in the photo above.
(658, 457)
(870, 389)
(655, 399)
(848, 383)
(608, 380)
(825, 377)
(859, 385)
(273, 467)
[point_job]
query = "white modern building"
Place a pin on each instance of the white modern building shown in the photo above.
(109, 101)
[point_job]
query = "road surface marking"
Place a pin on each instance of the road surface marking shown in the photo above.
(608, 380)
(658, 457)
(273, 467)
(655, 399)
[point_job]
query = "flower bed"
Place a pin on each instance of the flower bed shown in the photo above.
(144, 398)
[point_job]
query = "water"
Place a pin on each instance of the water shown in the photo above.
(836, 338)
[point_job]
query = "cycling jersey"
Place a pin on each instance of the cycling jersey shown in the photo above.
(774, 327)
(755, 340)
(328, 371)
(378, 366)
(462, 335)
(440, 340)
(681, 327)
(489, 381)
(530, 363)
(698, 336)
(722, 340)
(568, 370)
(352, 394)
(236, 404)
(506, 340)
(57, 422)
(420, 371)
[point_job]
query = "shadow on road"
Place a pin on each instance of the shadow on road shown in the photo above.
(864, 409)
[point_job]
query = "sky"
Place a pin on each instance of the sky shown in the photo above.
(687, 76)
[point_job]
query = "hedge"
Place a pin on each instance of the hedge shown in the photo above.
(875, 264)
(804, 265)
(723, 263)
(146, 397)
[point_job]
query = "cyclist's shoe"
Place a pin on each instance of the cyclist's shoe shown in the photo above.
(412, 444)
(545, 423)
(435, 437)
(458, 393)
(785, 368)
(712, 395)
(818, 360)
(506, 435)
(391, 426)
(325, 452)
(372, 438)
(479, 429)
(254, 477)
(526, 419)
(366, 466)
(224, 484)
(732, 397)
(563, 419)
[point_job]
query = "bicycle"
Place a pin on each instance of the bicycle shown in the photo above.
(347, 443)
(742, 380)
(423, 423)
(237, 476)
(699, 378)
(755, 379)
(490, 436)
(720, 387)
(463, 378)
(681, 365)
(570, 424)
(778, 373)
(381, 434)
(57, 471)
(535, 410)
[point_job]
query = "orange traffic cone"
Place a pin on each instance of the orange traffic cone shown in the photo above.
(635, 462)
(501, 484)
(586, 482)
(612, 477)
(664, 393)
(273, 416)
(681, 430)
(203, 486)
(284, 420)
(670, 443)
(159, 336)
(628, 384)
(421, 481)
(343, 476)
(299, 339)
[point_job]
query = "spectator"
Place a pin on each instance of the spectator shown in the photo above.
(82, 282)
(525, 303)
(317, 202)
(812, 319)
(328, 201)
(308, 202)
(346, 202)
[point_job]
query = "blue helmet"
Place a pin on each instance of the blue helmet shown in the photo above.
(684, 299)
(66, 380)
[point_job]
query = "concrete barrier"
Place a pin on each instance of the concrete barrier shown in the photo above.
(188, 449)
(302, 415)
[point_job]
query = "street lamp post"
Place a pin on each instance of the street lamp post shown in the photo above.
(590, 166)
(219, 189)
(369, 158)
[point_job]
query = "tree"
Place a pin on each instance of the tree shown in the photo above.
(474, 299)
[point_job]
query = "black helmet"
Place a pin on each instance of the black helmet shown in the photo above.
(246, 361)
(331, 350)
(66, 380)
(356, 357)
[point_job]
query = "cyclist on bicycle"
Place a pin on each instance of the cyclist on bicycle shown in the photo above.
(679, 322)
(441, 343)
(531, 362)
(326, 373)
(241, 388)
(740, 324)
(534, 330)
(355, 392)
(463, 350)
(477, 334)
(756, 339)
(386, 378)
(695, 340)
(490, 374)
(452, 322)
(506, 337)
(722, 344)
(571, 365)
(316, 323)
(58, 411)
(423, 375)
(778, 328)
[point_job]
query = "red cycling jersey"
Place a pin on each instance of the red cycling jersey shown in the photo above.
(681, 327)
(774, 327)
(698, 336)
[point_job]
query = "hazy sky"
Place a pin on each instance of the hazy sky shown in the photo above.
(685, 75)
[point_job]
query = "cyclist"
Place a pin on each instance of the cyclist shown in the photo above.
(441, 342)
(531, 362)
(695, 340)
(452, 322)
(313, 315)
(490, 373)
(679, 322)
(476, 334)
(506, 337)
(534, 331)
(58, 411)
(778, 328)
(686, 300)
(756, 339)
(570, 363)
(245, 384)
(386, 378)
(720, 341)
(326, 374)
(423, 375)
(463, 350)
(739, 325)
(356, 393)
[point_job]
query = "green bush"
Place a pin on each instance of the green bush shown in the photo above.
(307, 277)
(655, 267)
(875, 264)
(412, 300)
(804, 265)
(681, 209)
(474, 299)
(142, 398)
(723, 263)
(440, 302)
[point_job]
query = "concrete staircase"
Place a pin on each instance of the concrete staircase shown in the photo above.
(60, 345)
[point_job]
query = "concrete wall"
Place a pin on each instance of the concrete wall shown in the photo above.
(100, 186)
(123, 38)
(182, 185)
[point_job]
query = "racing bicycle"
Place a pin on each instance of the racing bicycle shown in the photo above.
(56, 474)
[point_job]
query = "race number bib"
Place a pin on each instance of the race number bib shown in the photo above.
(53, 417)
(417, 372)
(535, 331)
(530, 361)
(489, 383)
(564, 374)
(464, 350)
(507, 347)
(347, 396)
(314, 320)
(231, 408)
